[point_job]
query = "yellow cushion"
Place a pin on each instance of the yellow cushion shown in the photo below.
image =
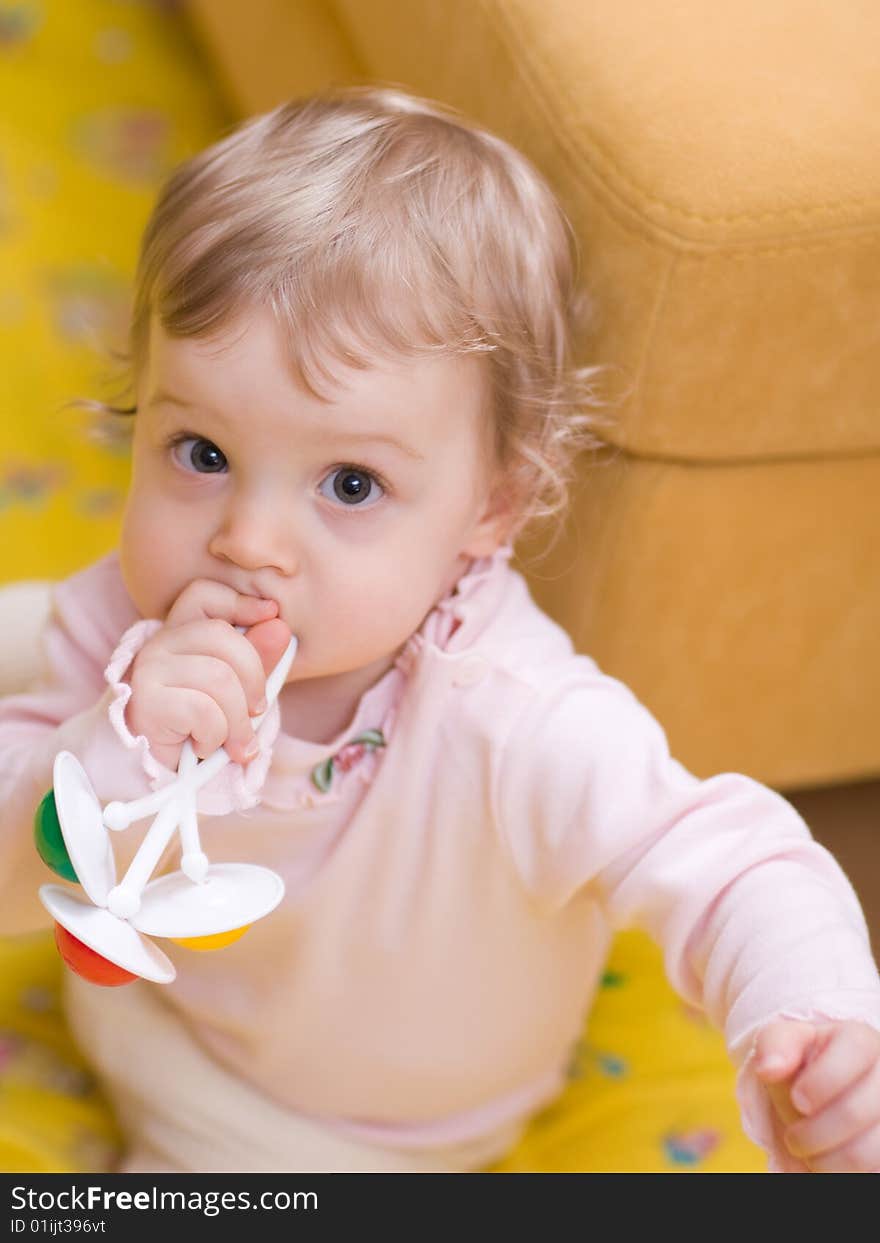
(741, 602)
(274, 49)
(719, 166)
(711, 162)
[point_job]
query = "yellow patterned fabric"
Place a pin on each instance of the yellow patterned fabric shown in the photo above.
(650, 1087)
(52, 1118)
(100, 99)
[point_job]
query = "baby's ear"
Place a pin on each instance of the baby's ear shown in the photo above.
(493, 528)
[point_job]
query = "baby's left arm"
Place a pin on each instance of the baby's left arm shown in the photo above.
(756, 920)
(824, 1082)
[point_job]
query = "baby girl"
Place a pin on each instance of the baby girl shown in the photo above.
(351, 365)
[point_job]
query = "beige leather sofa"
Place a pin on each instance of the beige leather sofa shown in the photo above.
(720, 165)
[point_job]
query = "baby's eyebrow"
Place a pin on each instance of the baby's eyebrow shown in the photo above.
(160, 397)
(380, 438)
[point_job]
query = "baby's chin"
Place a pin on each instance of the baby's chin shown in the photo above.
(303, 670)
(310, 665)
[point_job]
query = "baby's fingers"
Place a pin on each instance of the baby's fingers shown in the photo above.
(858, 1156)
(845, 1052)
(841, 1124)
(270, 638)
(205, 599)
(220, 707)
(187, 713)
(781, 1048)
(199, 641)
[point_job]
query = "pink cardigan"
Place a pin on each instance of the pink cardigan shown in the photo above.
(455, 864)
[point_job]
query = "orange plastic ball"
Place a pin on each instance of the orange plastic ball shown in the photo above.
(87, 963)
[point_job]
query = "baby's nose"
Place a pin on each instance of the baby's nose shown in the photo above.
(254, 538)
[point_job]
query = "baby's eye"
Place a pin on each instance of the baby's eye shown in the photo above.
(198, 454)
(352, 486)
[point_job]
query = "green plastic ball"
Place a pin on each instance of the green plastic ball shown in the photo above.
(49, 840)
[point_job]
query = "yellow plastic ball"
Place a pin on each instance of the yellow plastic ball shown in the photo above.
(215, 941)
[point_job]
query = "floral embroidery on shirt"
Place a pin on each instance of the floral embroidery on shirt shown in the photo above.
(346, 758)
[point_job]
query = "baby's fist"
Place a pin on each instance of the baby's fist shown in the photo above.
(198, 677)
(824, 1082)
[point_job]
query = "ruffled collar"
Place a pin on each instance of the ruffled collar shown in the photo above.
(307, 773)
(454, 620)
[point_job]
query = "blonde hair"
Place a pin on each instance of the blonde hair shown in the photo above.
(367, 218)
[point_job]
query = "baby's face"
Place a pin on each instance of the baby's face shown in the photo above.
(354, 515)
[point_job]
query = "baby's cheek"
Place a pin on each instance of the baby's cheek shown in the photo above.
(151, 563)
(388, 611)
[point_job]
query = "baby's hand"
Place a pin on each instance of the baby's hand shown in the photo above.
(200, 678)
(824, 1082)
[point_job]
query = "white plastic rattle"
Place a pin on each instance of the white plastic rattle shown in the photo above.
(106, 939)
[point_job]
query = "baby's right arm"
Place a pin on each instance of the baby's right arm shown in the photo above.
(69, 709)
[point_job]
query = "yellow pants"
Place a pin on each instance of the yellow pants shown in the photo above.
(650, 1087)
